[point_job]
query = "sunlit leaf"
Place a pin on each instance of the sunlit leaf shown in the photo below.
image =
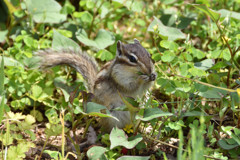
(227, 13)
(60, 42)
(103, 39)
(205, 64)
(45, 11)
(119, 138)
(11, 62)
(3, 35)
(96, 152)
(165, 32)
(105, 55)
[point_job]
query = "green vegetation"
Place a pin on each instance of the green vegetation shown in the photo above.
(193, 111)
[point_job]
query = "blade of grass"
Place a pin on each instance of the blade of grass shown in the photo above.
(1, 90)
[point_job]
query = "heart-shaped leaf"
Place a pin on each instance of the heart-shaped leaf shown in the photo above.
(119, 138)
(96, 152)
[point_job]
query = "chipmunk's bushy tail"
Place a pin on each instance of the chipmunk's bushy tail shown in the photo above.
(81, 61)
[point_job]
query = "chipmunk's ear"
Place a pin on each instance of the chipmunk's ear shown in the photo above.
(119, 48)
(136, 41)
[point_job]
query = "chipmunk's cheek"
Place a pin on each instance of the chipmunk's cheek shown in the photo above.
(145, 78)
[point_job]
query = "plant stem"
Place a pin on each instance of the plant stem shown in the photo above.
(63, 137)
(45, 143)
(94, 16)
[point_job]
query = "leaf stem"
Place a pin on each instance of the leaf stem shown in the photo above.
(94, 16)
(45, 143)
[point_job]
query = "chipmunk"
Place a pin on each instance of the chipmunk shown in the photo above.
(130, 74)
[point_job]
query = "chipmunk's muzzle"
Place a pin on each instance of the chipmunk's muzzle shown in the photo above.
(153, 76)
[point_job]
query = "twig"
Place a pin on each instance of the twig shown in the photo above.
(94, 16)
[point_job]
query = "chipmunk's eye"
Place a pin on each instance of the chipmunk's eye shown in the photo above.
(132, 59)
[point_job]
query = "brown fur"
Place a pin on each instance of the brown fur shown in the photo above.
(119, 76)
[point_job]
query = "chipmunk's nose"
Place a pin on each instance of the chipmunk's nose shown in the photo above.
(153, 76)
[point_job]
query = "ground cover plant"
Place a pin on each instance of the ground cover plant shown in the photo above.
(192, 112)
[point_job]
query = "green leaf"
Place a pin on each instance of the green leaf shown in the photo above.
(197, 53)
(119, 138)
(168, 56)
(194, 114)
(151, 113)
(134, 158)
(176, 125)
(103, 39)
(90, 4)
(33, 62)
(183, 69)
(11, 62)
(96, 152)
(53, 129)
(226, 13)
(213, 93)
(37, 114)
(215, 54)
(31, 134)
(52, 116)
(197, 72)
(60, 41)
(68, 8)
(223, 144)
(2, 77)
(231, 134)
(6, 139)
(95, 109)
(18, 152)
(30, 42)
(45, 11)
(213, 14)
(29, 119)
(104, 55)
(16, 116)
(1, 107)
(226, 54)
(169, 45)
(135, 6)
(85, 16)
(213, 79)
(165, 32)
(205, 64)
(36, 91)
(3, 35)
(220, 65)
(53, 154)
